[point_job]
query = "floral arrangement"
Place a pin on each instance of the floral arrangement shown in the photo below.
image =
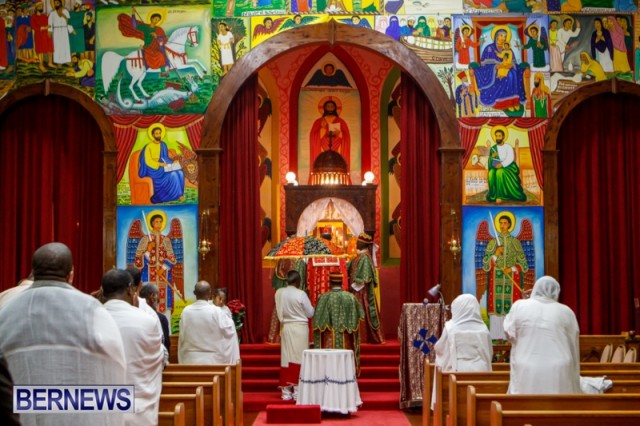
(238, 311)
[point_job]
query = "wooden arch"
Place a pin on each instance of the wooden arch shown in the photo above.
(110, 151)
(333, 33)
(550, 153)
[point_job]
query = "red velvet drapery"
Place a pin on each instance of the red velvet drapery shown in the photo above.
(420, 261)
(51, 179)
(599, 212)
(240, 237)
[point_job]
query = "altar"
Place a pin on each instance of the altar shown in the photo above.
(419, 329)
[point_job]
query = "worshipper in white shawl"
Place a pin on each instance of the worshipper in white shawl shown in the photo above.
(142, 346)
(9, 294)
(220, 300)
(465, 344)
(294, 310)
(207, 335)
(53, 334)
(544, 336)
(141, 303)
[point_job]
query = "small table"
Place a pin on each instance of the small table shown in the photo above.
(328, 378)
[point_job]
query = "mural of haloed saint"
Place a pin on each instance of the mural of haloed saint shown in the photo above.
(501, 258)
(162, 244)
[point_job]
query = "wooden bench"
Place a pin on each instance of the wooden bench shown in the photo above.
(479, 405)
(175, 418)
(212, 396)
(193, 405)
(458, 394)
(441, 407)
(500, 417)
(230, 385)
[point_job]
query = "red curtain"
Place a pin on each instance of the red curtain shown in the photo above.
(599, 212)
(420, 260)
(51, 179)
(240, 255)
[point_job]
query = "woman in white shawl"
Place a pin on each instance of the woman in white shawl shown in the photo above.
(465, 344)
(544, 336)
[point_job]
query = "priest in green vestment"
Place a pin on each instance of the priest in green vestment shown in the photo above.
(336, 322)
(504, 173)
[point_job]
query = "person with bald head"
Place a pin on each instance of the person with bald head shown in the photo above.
(545, 349)
(207, 335)
(53, 334)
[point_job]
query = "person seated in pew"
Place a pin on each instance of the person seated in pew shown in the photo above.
(545, 349)
(143, 348)
(465, 344)
(207, 335)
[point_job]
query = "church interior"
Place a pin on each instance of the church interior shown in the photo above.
(480, 144)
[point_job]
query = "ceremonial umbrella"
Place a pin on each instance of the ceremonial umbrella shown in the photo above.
(296, 247)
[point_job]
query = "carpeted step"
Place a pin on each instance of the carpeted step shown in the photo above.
(261, 360)
(379, 372)
(299, 414)
(378, 385)
(259, 349)
(380, 401)
(261, 372)
(378, 360)
(258, 401)
(259, 385)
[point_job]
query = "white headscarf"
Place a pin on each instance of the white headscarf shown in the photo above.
(465, 309)
(546, 288)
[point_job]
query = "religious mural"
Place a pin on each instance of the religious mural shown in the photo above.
(417, 7)
(428, 36)
(504, 6)
(231, 41)
(162, 242)
(329, 117)
(501, 258)
(157, 163)
(392, 180)
(154, 60)
(589, 48)
(265, 156)
(569, 6)
(229, 8)
(265, 27)
(502, 161)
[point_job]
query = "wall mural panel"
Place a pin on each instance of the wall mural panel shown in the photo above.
(502, 256)
(265, 158)
(417, 7)
(392, 182)
(162, 242)
(265, 27)
(597, 6)
(154, 60)
(230, 41)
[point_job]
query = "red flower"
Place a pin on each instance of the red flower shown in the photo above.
(236, 307)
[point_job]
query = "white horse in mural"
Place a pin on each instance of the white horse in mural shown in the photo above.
(176, 52)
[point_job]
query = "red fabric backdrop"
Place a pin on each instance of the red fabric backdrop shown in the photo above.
(599, 212)
(240, 233)
(420, 245)
(51, 180)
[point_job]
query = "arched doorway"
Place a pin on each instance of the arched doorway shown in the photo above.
(332, 33)
(70, 215)
(592, 199)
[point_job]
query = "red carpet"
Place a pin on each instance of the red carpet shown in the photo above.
(361, 418)
(378, 382)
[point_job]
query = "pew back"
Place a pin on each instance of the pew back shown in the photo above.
(193, 405)
(172, 418)
(211, 393)
(500, 417)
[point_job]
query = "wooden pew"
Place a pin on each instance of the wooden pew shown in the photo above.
(458, 394)
(172, 418)
(211, 393)
(231, 401)
(500, 417)
(479, 405)
(441, 408)
(193, 405)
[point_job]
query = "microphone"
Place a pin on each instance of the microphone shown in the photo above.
(434, 294)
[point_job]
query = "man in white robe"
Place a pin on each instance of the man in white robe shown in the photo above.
(9, 294)
(207, 335)
(544, 336)
(53, 334)
(142, 304)
(465, 344)
(142, 346)
(294, 310)
(60, 29)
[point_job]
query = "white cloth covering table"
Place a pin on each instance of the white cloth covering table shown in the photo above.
(328, 378)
